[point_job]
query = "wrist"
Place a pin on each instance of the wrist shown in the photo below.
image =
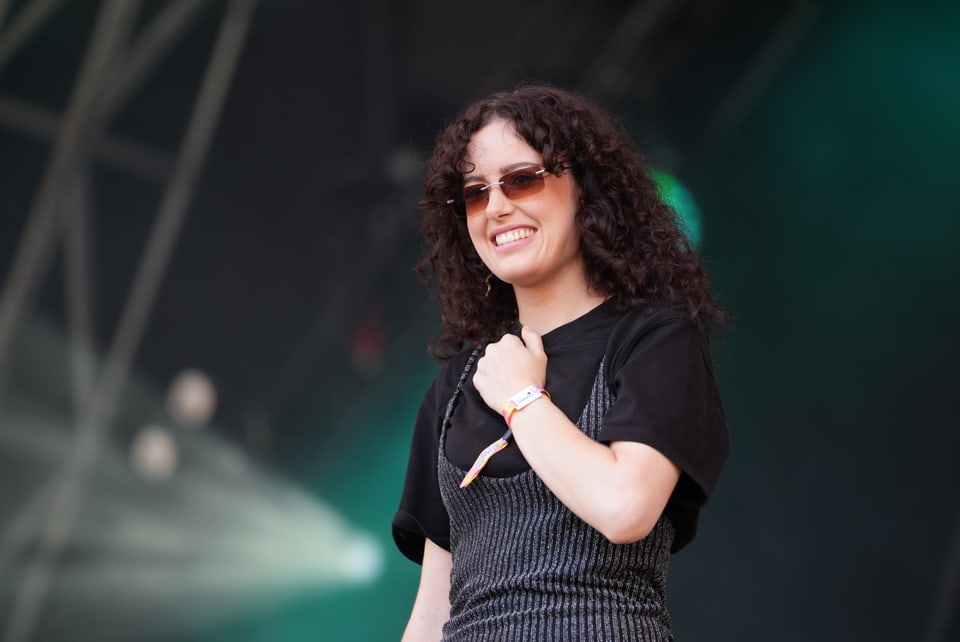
(521, 400)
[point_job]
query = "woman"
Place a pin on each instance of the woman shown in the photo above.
(576, 366)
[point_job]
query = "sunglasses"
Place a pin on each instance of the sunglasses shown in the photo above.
(519, 183)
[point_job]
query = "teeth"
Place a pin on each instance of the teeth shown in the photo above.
(513, 235)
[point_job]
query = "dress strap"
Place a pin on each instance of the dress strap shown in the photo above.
(456, 392)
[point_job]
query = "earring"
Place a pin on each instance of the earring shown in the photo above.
(487, 281)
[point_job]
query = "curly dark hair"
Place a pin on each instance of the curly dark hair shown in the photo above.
(634, 251)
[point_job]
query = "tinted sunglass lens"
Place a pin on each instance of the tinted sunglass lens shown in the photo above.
(475, 198)
(516, 184)
(523, 182)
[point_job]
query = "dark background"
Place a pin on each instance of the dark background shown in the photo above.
(820, 141)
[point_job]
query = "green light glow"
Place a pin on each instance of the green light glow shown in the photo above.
(677, 196)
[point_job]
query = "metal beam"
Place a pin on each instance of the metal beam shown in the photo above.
(78, 278)
(96, 99)
(143, 54)
(44, 123)
(35, 249)
(32, 258)
(28, 19)
(762, 71)
(638, 22)
(172, 211)
(4, 8)
(105, 81)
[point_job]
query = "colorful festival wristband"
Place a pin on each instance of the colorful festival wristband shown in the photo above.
(517, 402)
(521, 400)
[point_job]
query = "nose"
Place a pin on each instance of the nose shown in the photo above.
(498, 204)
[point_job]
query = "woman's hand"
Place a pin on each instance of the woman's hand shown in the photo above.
(620, 489)
(510, 365)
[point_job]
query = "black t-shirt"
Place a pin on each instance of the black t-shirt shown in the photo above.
(659, 369)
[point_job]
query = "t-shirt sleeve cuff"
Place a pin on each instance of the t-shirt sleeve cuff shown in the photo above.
(409, 535)
(692, 489)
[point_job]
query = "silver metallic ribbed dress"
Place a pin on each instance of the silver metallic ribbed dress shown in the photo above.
(526, 568)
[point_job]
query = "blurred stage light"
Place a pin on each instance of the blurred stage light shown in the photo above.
(153, 453)
(675, 194)
(368, 344)
(402, 166)
(192, 399)
(221, 538)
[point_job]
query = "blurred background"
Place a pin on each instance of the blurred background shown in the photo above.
(212, 339)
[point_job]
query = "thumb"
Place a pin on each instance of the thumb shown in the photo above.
(533, 341)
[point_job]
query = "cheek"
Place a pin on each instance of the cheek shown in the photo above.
(564, 199)
(476, 230)
(565, 213)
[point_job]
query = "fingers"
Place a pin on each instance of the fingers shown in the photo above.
(509, 365)
(533, 341)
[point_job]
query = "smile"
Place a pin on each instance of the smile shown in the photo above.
(513, 235)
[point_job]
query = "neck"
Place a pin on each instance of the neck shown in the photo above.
(542, 310)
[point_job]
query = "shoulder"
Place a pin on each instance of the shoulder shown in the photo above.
(659, 336)
(652, 314)
(450, 373)
(662, 378)
(452, 370)
(650, 322)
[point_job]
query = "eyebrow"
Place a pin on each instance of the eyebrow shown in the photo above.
(506, 169)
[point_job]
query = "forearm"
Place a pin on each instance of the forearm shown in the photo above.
(620, 489)
(431, 609)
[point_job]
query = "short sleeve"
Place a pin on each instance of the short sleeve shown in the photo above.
(666, 396)
(421, 513)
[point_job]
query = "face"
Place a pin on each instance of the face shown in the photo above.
(531, 241)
